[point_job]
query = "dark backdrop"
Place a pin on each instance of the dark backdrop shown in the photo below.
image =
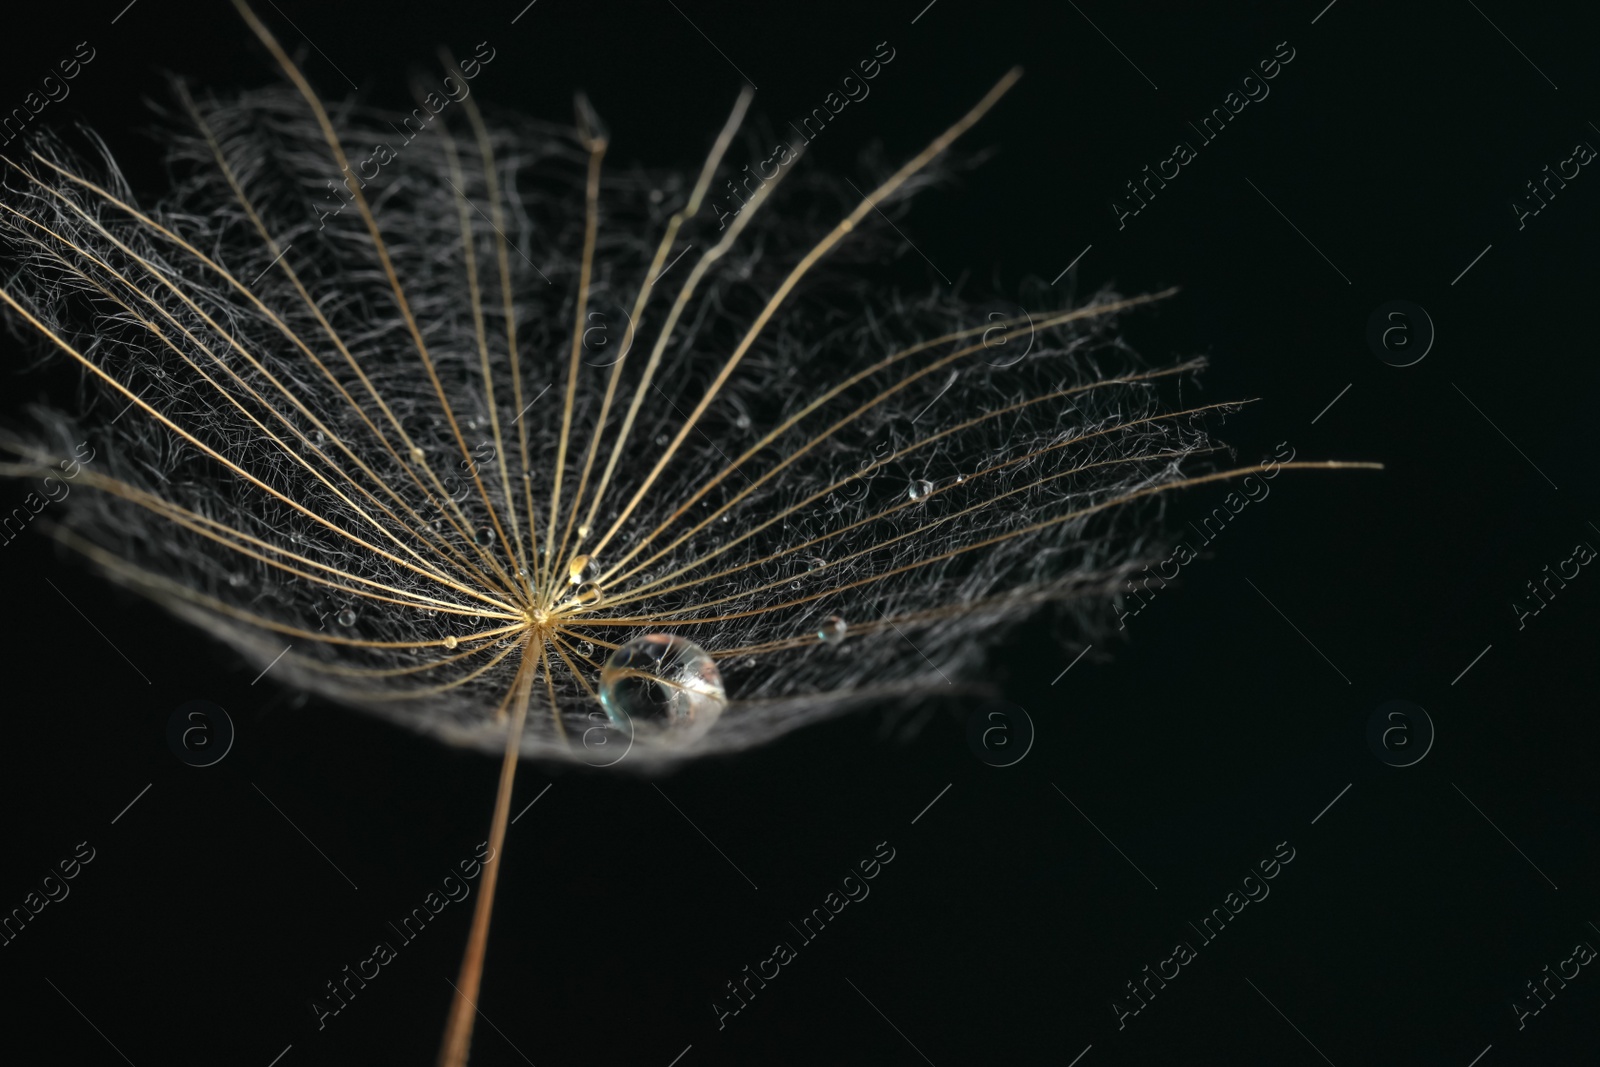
(1212, 734)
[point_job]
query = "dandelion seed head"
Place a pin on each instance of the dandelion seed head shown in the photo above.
(421, 425)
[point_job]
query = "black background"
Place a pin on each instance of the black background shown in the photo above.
(1407, 922)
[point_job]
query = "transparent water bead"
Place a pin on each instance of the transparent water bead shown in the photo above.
(919, 489)
(485, 536)
(347, 617)
(451, 641)
(576, 568)
(587, 595)
(662, 684)
(832, 630)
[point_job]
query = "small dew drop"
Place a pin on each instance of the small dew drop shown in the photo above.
(316, 437)
(451, 641)
(484, 536)
(576, 568)
(236, 579)
(832, 630)
(588, 594)
(662, 439)
(347, 617)
(416, 454)
(816, 563)
(583, 531)
(919, 489)
(742, 421)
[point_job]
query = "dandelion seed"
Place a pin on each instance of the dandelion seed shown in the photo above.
(306, 418)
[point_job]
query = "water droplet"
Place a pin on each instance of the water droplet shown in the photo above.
(662, 439)
(236, 579)
(347, 617)
(660, 683)
(816, 563)
(588, 594)
(832, 630)
(451, 641)
(742, 421)
(576, 568)
(583, 531)
(416, 454)
(586, 647)
(919, 489)
(316, 437)
(484, 536)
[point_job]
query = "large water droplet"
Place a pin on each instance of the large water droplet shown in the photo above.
(832, 630)
(588, 594)
(919, 489)
(576, 568)
(662, 684)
